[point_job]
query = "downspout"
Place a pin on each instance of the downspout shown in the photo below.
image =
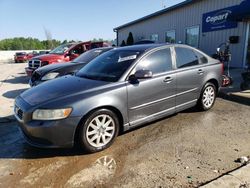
(115, 30)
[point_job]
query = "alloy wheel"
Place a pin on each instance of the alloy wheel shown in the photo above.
(100, 130)
(208, 96)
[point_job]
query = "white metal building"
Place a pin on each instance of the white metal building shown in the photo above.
(203, 24)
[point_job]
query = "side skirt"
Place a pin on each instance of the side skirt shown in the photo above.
(159, 115)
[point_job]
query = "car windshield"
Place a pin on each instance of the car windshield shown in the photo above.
(109, 66)
(89, 55)
(61, 49)
(21, 53)
(43, 52)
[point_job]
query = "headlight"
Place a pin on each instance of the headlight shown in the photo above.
(51, 114)
(50, 76)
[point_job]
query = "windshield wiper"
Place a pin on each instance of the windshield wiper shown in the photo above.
(87, 76)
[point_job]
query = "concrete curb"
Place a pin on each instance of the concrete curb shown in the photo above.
(235, 97)
(239, 178)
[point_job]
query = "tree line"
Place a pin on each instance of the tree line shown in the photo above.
(21, 43)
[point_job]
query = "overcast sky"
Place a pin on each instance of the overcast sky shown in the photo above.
(72, 19)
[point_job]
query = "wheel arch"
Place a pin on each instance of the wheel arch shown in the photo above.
(215, 82)
(111, 108)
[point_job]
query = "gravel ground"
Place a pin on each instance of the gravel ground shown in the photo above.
(183, 150)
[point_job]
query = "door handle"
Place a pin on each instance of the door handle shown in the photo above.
(200, 71)
(168, 79)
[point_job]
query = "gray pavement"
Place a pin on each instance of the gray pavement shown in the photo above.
(13, 81)
(239, 178)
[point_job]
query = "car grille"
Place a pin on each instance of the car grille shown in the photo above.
(34, 63)
(18, 112)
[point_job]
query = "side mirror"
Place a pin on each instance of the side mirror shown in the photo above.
(68, 54)
(140, 74)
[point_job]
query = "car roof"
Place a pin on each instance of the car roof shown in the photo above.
(140, 47)
(147, 47)
(101, 48)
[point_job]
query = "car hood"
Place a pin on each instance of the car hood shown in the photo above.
(48, 68)
(60, 87)
(49, 57)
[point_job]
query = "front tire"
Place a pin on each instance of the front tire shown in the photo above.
(99, 130)
(207, 97)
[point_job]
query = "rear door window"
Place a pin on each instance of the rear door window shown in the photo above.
(157, 62)
(202, 59)
(185, 57)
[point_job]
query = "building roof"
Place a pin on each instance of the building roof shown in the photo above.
(158, 13)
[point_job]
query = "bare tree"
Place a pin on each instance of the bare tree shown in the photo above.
(163, 4)
(49, 37)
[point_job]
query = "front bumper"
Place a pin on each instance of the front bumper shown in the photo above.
(20, 60)
(50, 134)
(29, 71)
(45, 134)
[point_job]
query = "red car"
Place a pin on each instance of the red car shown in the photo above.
(63, 53)
(20, 57)
(23, 56)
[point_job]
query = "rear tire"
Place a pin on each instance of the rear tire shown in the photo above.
(98, 131)
(207, 97)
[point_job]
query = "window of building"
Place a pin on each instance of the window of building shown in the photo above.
(185, 57)
(154, 37)
(170, 36)
(158, 62)
(192, 36)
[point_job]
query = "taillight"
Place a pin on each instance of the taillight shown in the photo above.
(222, 68)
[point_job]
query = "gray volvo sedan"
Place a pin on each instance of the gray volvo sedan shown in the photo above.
(117, 91)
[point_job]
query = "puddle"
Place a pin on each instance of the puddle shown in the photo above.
(102, 170)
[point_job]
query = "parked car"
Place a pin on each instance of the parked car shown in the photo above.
(42, 52)
(63, 53)
(53, 71)
(24, 56)
(32, 54)
(145, 41)
(20, 57)
(117, 91)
